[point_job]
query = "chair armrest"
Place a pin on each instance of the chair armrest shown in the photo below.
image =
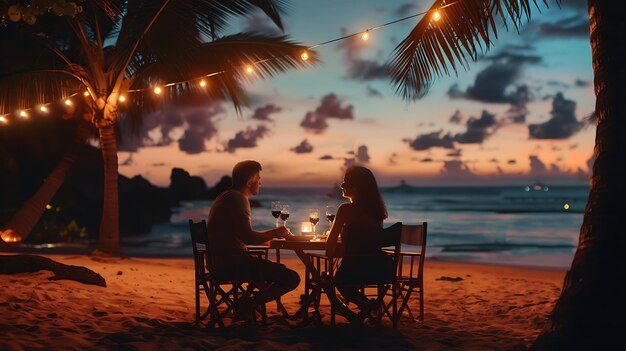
(410, 253)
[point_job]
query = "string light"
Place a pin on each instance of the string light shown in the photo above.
(304, 56)
(23, 114)
(43, 109)
(436, 16)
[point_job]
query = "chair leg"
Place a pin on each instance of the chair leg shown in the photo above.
(197, 304)
(394, 311)
(421, 302)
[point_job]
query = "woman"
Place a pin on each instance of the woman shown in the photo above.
(364, 213)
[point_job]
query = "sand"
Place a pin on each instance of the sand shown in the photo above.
(149, 305)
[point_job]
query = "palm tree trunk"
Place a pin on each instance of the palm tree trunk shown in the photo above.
(590, 311)
(108, 237)
(31, 211)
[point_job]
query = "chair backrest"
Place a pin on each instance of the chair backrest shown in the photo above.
(199, 242)
(359, 241)
(416, 235)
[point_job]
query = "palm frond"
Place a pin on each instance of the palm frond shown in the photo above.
(152, 30)
(26, 90)
(434, 48)
(228, 57)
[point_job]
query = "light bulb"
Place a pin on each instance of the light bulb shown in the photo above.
(122, 98)
(3, 120)
(249, 69)
(23, 114)
(436, 16)
(86, 93)
(43, 109)
(365, 36)
(68, 102)
(203, 83)
(157, 90)
(304, 56)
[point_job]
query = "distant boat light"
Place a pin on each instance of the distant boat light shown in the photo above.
(566, 206)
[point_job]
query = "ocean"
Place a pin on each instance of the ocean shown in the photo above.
(534, 226)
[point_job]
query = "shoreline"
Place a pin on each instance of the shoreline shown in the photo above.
(148, 304)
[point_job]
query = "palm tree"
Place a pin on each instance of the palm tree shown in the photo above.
(589, 313)
(125, 48)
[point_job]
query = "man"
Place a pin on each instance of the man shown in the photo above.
(230, 230)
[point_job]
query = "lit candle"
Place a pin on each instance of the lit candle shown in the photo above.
(306, 228)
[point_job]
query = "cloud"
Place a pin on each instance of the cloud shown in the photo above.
(263, 113)
(456, 118)
(455, 153)
(493, 83)
(392, 159)
(357, 67)
(196, 124)
(511, 162)
(326, 157)
(303, 148)
(406, 9)
(576, 26)
(581, 83)
(430, 140)
(519, 99)
(563, 123)
(478, 129)
(360, 156)
(330, 107)
(372, 92)
(199, 129)
(426, 160)
(456, 169)
(246, 138)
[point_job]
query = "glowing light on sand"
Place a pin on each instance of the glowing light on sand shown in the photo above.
(10, 236)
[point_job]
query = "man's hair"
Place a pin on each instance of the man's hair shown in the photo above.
(243, 171)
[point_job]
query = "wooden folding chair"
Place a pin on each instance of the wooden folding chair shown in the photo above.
(411, 278)
(221, 293)
(387, 286)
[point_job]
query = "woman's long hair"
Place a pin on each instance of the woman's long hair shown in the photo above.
(367, 194)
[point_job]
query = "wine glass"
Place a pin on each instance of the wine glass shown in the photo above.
(330, 216)
(314, 217)
(284, 214)
(276, 208)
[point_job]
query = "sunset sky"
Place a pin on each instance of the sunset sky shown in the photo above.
(520, 114)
